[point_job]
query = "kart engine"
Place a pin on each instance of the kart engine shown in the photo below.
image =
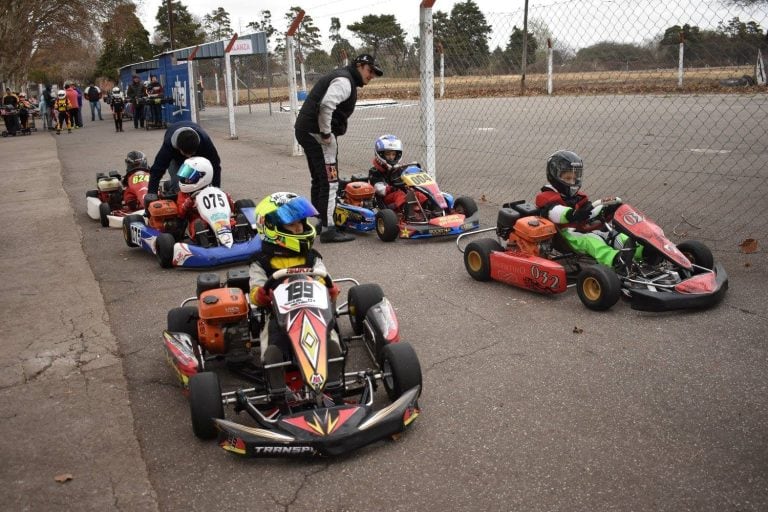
(110, 190)
(223, 326)
(163, 215)
(358, 193)
(530, 234)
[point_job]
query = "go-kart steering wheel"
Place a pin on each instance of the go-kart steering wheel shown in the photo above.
(281, 274)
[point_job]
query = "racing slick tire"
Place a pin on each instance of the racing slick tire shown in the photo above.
(465, 205)
(127, 221)
(91, 193)
(104, 211)
(360, 299)
(386, 225)
(205, 404)
(698, 254)
(165, 243)
(243, 203)
(477, 258)
(599, 287)
(183, 319)
(401, 367)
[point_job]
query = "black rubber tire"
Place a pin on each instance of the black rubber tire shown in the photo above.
(477, 258)
(91, 193)
(698, 254)
(127, 221)
(599, 287)
(243, 203)
(387, 226)
(104, 211)
(183, 319)
(465, 205)
(205, 404)
(360, 298)
(165, 243)
(402, 365)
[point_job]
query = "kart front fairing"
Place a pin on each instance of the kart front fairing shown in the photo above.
(326, 431)
(213, 206)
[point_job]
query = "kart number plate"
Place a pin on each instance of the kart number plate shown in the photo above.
(301, 294)
(417, 179)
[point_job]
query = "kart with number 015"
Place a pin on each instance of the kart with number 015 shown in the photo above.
(438, 214)
(309, 403)
(529, 253)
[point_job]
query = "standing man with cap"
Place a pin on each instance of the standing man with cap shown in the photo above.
(181, 141)
(323, 118)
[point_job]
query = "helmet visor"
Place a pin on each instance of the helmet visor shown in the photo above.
(298, 208)
(188, 175)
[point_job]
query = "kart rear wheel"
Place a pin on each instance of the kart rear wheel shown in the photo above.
(243, 203)
(91, 193)
(205, 404)
(477, 258)
(599, 287)
(104, 211)
(184, 320)
(360, 299)
(127, 221)
(165, 243)
(386, 225)
(465, 206)
(401, 367)
(698, 254)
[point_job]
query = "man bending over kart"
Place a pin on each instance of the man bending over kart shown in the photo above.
(183, 140)
(287, 242)
(194, 175)
(578, 222)
(385, 173)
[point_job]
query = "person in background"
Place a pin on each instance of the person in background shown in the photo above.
(62, 108)
(69, 88)
(93, 95)
(133, 94)
(117, 105)
(155, 93)
(323, 118)
(46, 107)
(200, 95)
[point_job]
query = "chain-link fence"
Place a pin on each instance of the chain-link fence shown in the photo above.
(684, 143)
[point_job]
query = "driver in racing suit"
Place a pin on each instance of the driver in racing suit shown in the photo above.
(194, 175)
(385, 173)
(287, 243)
(577, 221)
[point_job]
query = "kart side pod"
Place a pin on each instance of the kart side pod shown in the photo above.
(223, 319)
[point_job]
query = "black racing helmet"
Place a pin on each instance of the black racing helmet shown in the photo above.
(559, 166)
(135, 160)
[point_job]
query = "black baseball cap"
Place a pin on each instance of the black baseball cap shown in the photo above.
(368, 59)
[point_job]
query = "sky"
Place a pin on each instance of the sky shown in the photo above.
(590, 20)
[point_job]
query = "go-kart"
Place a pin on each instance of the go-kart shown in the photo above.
(359, 209)
(529, 253)
(312, 403)
(222, 237)
(107, 202)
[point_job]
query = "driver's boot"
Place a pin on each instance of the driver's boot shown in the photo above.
(625, 257)
(331, 234)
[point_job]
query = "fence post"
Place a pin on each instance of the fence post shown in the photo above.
(680, 60)
(228, 86)
(427, 99)
(549, 66)
(290, 57)
(216, 82)
(442, 68)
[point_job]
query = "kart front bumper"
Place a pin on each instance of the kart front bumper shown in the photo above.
(408, 230)
(321, 432)
(647, 300)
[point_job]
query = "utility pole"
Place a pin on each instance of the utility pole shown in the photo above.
(170, 22)
(524, 60)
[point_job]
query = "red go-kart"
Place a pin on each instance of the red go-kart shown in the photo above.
(116, 196)
(530, 254)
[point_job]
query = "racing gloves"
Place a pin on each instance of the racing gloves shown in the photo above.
(579, 214)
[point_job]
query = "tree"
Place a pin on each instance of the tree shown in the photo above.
(125, 41)
(307, 37)
(264, 25)
(186, 31)
(217, 25)
(514, 51)
(340, 44)
(464, 37)
(608, 55)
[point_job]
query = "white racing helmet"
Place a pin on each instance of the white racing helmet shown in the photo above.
(195, 174)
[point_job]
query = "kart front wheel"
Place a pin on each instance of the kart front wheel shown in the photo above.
(104, 211)
(240, 204)
(184, 320)
(165, 243)
(401, 367)
(387, 225)
(698, 254)
(465, 206)
(477, 258)
(127, 221)
(599, 287)
(205, 404)
(360, 299)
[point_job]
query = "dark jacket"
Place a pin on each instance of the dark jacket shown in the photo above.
(168, 154)
(134, 92)
(307, 120)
